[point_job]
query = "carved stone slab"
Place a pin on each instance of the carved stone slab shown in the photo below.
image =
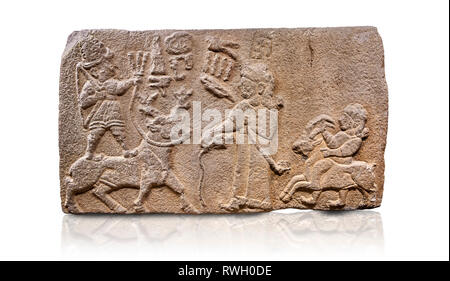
(222, 121)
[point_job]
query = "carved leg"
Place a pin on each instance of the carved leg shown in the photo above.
(102, 192)
(144, 190)
(69, 203)
(173, 183)
(288, 187)
(119, 134)
(312, 200)
(71, 190)
(341, 201)
(92, 141)
(240, 180)
(368, 197)
(365, 199)
(297, 186)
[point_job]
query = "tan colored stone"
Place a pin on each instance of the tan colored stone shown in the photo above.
(124, 96)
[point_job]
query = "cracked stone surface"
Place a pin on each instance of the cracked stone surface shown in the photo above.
(222, 121)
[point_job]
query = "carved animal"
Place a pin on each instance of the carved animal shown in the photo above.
(323, 174)
(147, 170)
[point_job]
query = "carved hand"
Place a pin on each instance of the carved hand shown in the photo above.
(216, 88)
(100, 94)
(136, 80)
(281, 167)
(326, 152)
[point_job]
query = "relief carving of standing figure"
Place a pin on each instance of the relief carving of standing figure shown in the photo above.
(256, 87)
(333, 167)
(145, 167)
(102, 91)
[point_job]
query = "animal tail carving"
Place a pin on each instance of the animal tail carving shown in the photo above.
(202, 176)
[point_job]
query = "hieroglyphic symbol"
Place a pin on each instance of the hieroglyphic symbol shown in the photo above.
(158, 77)
(219, 61)
(331, 166)
(175, 61)
(157, 65)
(178, 43)
(179, 47)
(218, 65)
(261, 46)
(137, 62)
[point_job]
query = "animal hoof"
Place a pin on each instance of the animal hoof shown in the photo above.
(307, 201)
(139, 209)
(72, 208)
(286, 198)
(130, 153)
(191, 209)
(335, 203)
(119, 209)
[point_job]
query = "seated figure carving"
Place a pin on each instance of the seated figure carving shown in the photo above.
(329, 161)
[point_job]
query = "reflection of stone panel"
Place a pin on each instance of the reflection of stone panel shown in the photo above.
(300, 234)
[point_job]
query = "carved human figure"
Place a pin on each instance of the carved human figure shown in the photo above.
(145, 167)
(102, 91)
(333, 167)
(149, 169)
(256, 87)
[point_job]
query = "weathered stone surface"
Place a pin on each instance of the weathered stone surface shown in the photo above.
(173, 121)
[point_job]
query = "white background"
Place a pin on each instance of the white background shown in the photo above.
(412, 223)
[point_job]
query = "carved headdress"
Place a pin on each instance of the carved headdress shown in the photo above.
(259, 73)
(93, 52)
(359, 115)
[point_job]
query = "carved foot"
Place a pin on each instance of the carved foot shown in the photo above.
(335, 203)
(233, 205)
(372, 200)
(190, 209)
(139, 208)
(281, 167)
(282, 194)
(287, 197)
(308, 200)
(130, 153)
(119, 209)
(91, 156)
(72, 208)
(266, 204)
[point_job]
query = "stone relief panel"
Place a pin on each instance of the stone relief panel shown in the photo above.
(222, 121)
